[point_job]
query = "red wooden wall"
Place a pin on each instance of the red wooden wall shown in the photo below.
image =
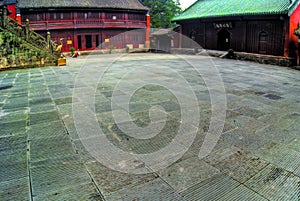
(292, 40)
(92, 27)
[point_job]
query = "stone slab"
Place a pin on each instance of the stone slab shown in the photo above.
(275, 183)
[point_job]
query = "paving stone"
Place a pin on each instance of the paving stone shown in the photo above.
(243, 134)
(236, 164)
(243, 193)
(13, 151)
(131, 144)
(169, 106)
(262, 110)
(156, 190)
(39, 108)
(39, 92)
(213, 188)
(65, 100)
(66, 113)
(17, 189)
(295, 145)
(10, 144)
(48, 129)
(277, 134)
(137, 107)
(110, 181)
(13, 128)
(103, 107)
(247, 111)
(50, 147)
(151, 97)
(107, 117)
(13, 170)
(283, 122)
(81, 191)
(13, 116)
(58, 174)
(37, 118)
(40, 100)
(275, 183)
(15, 103)
(281, 156)
(185, 174)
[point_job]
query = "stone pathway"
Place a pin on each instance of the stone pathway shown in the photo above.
(43, 156)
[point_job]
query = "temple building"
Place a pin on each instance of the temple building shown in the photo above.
(89, 24)
(254, 26)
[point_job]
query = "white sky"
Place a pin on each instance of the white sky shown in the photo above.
(186, 3)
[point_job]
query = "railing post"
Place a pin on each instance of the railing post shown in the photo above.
(27, 29)
(5, 16)
(49, 41)
(1, 16)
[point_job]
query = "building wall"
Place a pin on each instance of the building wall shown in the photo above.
(88, 29)
(274, 35)
(96, 39)
(255, 35)
(293, 43)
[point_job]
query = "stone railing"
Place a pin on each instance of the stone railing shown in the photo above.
(22, 47)
(35, 39)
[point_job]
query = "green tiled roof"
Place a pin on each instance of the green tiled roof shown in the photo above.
(220, 8)
(117, 4)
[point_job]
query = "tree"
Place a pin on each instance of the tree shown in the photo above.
(162, 12)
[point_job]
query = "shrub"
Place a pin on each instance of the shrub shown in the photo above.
(72, 50)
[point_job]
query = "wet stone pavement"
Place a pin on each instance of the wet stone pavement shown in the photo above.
(43, 157)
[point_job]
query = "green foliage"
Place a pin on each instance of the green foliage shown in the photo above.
(127, 49)
(72, 50)
(162, 12)
(111, 47)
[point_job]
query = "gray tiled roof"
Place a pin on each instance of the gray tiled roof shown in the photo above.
(119, 4)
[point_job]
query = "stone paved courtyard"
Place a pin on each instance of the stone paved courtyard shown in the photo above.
(257, 157)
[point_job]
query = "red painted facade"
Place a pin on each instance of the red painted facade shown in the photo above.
(89, 29)
(292, 43)
(12, 10)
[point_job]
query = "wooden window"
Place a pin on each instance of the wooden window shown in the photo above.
(114, 16)
(263, 42)
(138, 17)
(67, 16)
(33, 17)
(88, 15)
(93, 15)
(263, 36)
(53, 16)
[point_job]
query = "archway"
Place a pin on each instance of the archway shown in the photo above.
(223, 39)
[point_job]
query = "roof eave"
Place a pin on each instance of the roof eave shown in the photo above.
(230, 15)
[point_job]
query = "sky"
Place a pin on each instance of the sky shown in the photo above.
(186, 3)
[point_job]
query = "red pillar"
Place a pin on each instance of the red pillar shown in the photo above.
(148, 26)
(13, 11)
(18, 18)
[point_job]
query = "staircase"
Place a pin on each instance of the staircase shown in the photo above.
(22, 47)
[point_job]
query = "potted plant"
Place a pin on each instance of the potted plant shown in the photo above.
(72, 50)
(127, 49)
(111, 47)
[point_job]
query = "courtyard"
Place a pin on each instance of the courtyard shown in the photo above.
(132, 127)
